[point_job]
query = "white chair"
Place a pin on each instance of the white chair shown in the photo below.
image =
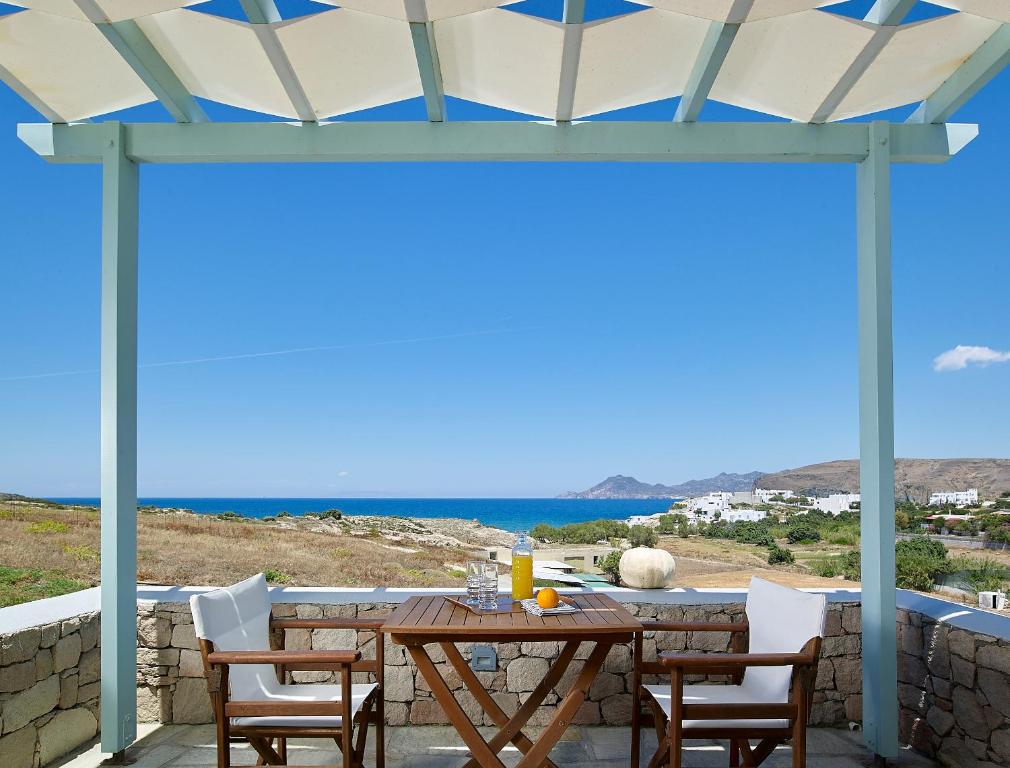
(771, 692)
(250, 701)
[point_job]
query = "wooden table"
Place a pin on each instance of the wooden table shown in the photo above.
(433, 619)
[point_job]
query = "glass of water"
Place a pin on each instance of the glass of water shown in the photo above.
(488, 593)
(473, 576)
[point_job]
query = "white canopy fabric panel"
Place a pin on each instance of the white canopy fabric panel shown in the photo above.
(998, 10)
(502, 59)
(916, 61)
(218, 59)
(735, 10)
(792, 59)
(348, 61)
(786, 66)
(68, 65)
(111, 10)
(635, 59)
(419, 10)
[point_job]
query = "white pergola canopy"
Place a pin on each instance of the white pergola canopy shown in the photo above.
(789, 58)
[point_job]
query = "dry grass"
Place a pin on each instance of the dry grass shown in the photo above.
(705, 562)
(199, 550)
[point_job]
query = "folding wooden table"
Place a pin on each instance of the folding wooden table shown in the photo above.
(421, 621)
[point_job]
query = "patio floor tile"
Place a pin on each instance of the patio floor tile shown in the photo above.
(181, 746)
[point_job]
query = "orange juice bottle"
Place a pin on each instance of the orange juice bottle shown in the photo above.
(522, 568)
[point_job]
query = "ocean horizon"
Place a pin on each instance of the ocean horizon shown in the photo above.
(509, 514)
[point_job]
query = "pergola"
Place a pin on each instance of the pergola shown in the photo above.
(74, 60)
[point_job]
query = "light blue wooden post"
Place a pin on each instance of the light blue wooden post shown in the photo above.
(876, 445)
(119, 442)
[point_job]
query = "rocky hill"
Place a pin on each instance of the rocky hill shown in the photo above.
(914, 479)
(624, 487)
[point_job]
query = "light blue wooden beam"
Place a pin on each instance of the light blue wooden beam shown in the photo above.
(886, 13)
(120, 185)
(572, 18)
(714, 49)
(991, 58)
(132, 44)
(876, 445)
(597, 141)
(423, 35)
(262, 15)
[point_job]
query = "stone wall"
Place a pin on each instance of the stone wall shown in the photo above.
(172, 688)
(49, 686)
(954, 692)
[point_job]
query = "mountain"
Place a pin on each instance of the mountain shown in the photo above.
(624, 487)
(914, 479)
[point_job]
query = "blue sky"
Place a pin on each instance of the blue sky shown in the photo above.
(495, 330)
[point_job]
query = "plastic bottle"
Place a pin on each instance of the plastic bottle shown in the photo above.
(522, 568)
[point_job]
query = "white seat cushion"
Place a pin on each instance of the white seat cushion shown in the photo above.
(308, 692)
(715, 694)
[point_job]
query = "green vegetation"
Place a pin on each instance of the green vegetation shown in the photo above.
(581, 533)
(19, 585)
(611, 565)
(331, 514)
(780, 556)
(82, 552)
(643, 536)
(48, 526)
(274, 576)
(802, 533)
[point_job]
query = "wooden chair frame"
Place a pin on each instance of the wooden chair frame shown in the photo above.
(670, 732)
(216, 666)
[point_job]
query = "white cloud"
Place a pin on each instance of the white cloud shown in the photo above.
(343, 473)
(962, 356)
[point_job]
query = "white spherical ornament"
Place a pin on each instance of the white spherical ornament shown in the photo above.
(647, 568)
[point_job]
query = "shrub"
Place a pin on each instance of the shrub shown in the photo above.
(671, 523)
(642, 536)
(331, 514)
(779, 556)
(802, 532)
(611, 565)
(81, 552)
(273, 576)
(683, 529)
(283, 513)
(919, 562)
(826, 568)
(48, 526)
(581, 533)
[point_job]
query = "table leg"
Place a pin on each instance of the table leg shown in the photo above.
(510, 729)
(479, 748)
(568, 708)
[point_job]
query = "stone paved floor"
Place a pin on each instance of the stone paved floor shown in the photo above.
(192, 746)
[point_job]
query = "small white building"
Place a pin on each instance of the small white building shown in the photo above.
(957, 498)
(836, 503)
(763, 496)
(744, 515)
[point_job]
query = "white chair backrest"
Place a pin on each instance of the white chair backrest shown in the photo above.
(782, 620)
(237, 618)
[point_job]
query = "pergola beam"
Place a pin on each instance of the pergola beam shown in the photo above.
(599, 141)
(572, 18)
(888, 14)
(150, 66)
(422, 33)
(262, 14)
(714, 49)
(978, 69)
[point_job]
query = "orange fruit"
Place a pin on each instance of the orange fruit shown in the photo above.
(548, 598)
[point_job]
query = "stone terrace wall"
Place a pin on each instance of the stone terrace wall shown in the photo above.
(954, 692)
(49, 686)
(172, 688)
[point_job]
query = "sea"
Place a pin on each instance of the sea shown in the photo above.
(509, 514)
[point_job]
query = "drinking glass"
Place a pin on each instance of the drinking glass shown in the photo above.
(473, 577)
(488, 593)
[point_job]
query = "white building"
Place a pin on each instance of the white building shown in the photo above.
(836, 503)
(705, 507)
(764, 496)
(957, 498)
(744, 515)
